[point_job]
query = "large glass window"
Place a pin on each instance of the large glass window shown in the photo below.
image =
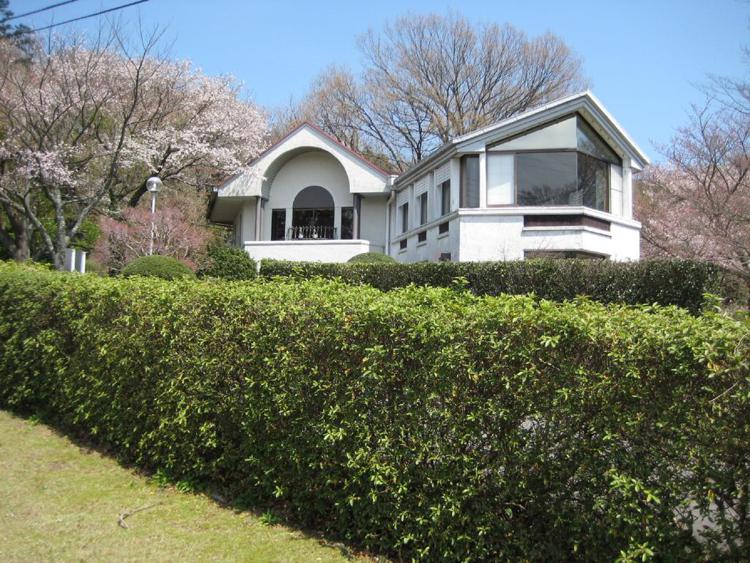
(547, 178)
(562, 178)
(470, 181)
(278, 224)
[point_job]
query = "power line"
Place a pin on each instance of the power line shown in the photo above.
(84, 17)
(39, 10)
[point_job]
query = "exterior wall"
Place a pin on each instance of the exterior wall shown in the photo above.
(309, 250)
(372, 220)
(501, 235)
(315, 168)
(361, 177)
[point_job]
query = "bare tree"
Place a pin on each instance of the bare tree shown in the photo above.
(86, 122)
(429, 78)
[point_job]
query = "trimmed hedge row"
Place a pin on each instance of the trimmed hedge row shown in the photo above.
(677, 282)
(419, 423)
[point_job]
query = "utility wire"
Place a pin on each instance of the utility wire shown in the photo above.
(83, 17)
(39, 10)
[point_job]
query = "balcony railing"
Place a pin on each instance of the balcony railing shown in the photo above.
(311, 233)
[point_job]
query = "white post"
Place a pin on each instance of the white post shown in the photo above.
(153, 226)
(80, 261)
(70, 259)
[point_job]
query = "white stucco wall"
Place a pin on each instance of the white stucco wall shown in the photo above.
(313, 168)
(309, 250)
(361, 176)
(372, 219)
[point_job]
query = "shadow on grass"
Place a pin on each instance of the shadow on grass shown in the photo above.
(266, 514)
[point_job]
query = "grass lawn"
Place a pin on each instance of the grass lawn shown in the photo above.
(61, 502)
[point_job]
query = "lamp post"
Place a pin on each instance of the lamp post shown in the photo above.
(153, 185)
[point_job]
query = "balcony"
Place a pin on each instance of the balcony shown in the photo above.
(316, 232)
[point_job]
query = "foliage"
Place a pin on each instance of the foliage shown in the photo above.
(422, 423)
(430, 78)
(674, 282)
(228, 263)
(164, 267)
(179, 227)
(371, 258)
(86, 122)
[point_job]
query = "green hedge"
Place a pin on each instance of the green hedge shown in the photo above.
(371, 258)
(676, 282)
(164, 267)
(228, 263)
(418, 423)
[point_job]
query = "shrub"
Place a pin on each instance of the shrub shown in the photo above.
(228, 263)
(420, 423)
(676, 282)
(371, 258)
(164, 267)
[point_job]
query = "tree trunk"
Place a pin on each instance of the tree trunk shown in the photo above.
(22, 245)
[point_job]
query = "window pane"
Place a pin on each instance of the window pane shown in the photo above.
(404, 217)
(499, 179)
(470, 181)
(445, 197)
(593, 182)
(547, 179)
(422, 209)
(347, 222)
(278, 220)
(591, 143)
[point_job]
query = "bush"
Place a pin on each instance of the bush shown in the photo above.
(676, 282)
(228, 263)
(419, 423)
(164, 267)
(371, 258)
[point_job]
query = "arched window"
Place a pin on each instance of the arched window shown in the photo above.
(313, 214)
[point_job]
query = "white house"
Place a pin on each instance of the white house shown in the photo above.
(553, 181)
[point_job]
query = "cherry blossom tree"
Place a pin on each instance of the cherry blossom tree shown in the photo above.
(696, 204)
(86, 122)
(179, 229)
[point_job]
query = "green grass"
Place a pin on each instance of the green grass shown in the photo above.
(61, 502)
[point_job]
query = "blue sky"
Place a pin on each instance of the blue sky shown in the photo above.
(643, 58)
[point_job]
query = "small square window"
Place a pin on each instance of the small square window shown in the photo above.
(443, 228)
(402, 244)
(422, 237)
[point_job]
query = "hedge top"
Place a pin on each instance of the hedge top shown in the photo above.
(164, 267)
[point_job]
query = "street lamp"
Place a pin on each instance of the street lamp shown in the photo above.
(153, 185)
